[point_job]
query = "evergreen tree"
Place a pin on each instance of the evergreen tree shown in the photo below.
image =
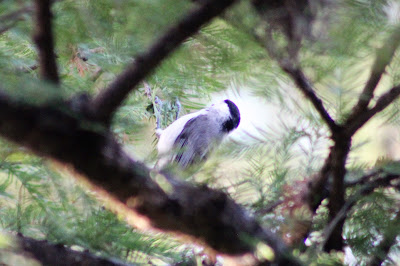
(81, 87)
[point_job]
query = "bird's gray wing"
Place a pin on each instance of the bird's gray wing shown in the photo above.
(194, 142)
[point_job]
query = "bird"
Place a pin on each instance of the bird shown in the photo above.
(189, 140)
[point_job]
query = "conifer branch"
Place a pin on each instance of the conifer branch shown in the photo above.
(384, 56)
(44, 40)
(364, 179)
(335, 164)
(389, 239)
(55, 254)
(304, 85)
(270, 207)
(384, 101)
(15, 15)
(12, 18)
(105, 104)
(8, 27)
(204, 214)
(366, 189)
(291, 68)
(338, 157)
(359, 116)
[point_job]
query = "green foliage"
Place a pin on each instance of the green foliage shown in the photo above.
(40, 202)
(96, 39)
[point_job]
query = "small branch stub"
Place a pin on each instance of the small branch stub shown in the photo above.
(43, 38)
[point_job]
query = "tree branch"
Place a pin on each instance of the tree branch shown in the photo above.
(364, 179)
(15, 15)
(55, 254)
(12, 18)
(299, 79)
(365, 190)
(339, 155)
(384, 101)
(43, 38)
(204, 214)
(389, 239)
(105, 104)
(348, 129)
(383, 58)
(304, 85)
(334, 166)
(8, 27)
(270, 207)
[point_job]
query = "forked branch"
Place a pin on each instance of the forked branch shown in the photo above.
(384, 56)
(383, 180)
(384, 101)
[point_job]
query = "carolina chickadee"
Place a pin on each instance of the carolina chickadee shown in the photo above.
(189, 140)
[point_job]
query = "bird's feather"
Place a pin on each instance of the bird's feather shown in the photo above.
(196, 139)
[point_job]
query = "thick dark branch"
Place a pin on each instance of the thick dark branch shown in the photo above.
(44, 41)
(54, 254)
(105, 104)
(318, 188)
(318, 191)
(366, 189)
(339, 155)
(206, 215)
(383, 58)
(384, 101)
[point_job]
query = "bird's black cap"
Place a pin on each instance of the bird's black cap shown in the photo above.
(234, 120)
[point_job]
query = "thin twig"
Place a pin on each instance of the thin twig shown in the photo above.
(384, 101)
(8, 27)
(15, 15)
(270, 207)
(12, 18)
(304, 85)
(364, 179)
(299, 78)
(105, 104)
(383, 58)
(44, 41)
